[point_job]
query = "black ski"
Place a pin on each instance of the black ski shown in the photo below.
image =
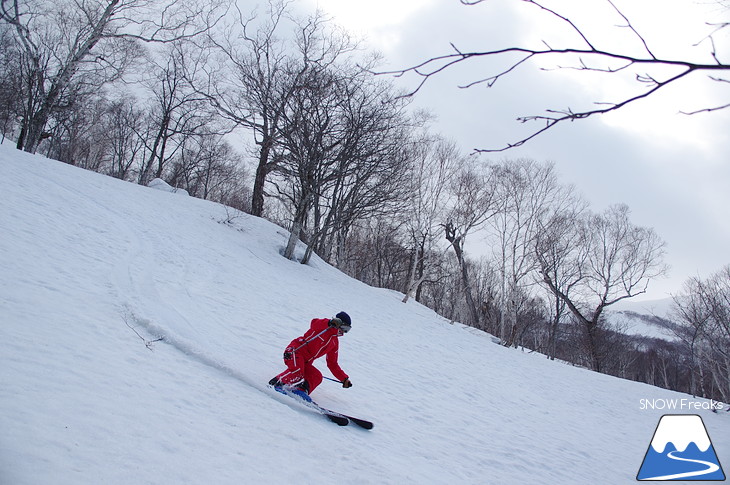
(363, 423)
(332, 415)
(337, 418)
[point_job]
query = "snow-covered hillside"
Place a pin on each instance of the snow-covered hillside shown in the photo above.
(643, 324)
(93, 270)
(659, 308)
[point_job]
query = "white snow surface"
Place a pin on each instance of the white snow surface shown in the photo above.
(92, 269)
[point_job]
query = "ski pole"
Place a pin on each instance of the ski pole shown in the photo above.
(333, 380)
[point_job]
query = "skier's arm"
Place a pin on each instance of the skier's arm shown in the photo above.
(333, 366)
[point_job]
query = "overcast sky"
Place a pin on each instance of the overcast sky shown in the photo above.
(673, 170)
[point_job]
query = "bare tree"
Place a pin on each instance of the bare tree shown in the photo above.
(252, 69)
(118, 134)
(72, 130)
(67, 47)
(433, 163)
(175, 113)
(703, 307)
(530, 192)
(208, 168)
(651, 72)
(376, 254)
(555, 248)
(339, 159)
(474, 202)
(370, 176)
(10, 88)
(615, 260)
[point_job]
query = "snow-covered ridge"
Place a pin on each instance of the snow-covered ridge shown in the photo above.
(642, 325)
(660, 308)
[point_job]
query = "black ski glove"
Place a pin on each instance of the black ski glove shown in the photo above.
(346, 383)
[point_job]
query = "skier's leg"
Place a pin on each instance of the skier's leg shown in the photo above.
(313, 377)
(294, 372)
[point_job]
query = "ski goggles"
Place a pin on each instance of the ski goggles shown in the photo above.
(340, 325)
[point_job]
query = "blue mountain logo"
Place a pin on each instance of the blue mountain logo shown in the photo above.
(681, 450)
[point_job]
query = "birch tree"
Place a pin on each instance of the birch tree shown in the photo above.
(558, 249)
(254, 66)
(68, 47)
(433, 162)
(473, 202)
(615, 260)
(340, 158)
(529, 191)
(703, 307)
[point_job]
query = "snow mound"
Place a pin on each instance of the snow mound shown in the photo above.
(160, 184)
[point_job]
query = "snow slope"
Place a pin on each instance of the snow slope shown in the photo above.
(93, 270)
(660, 308)
(642, 325)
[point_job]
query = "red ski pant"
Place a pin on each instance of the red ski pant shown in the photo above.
(297, 369)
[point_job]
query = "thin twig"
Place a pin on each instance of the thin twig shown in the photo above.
(147, 343)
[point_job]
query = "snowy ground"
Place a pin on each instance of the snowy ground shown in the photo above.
(88, 262)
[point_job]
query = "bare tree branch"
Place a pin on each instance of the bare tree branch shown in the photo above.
(644, 64)
(706, 110)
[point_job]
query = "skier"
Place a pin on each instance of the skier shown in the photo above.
(321, 339)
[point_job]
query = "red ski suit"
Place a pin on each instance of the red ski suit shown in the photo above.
(319, 340)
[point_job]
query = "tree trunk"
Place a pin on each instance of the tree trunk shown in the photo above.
(467, 292)
(291, 245)
(553, 331)
(420, 273)
(592, 335)
(456, 243)
(411, 276)
(297, 226)
(34, 135)
(262, 170)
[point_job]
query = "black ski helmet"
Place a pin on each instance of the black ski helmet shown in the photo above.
(345, 318)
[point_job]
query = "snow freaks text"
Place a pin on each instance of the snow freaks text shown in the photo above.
(677, 404)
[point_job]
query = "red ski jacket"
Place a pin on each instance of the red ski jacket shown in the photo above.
(324, 341)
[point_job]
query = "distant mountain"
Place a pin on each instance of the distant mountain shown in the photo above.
(659, 308)
(642, 322)
(651, 318)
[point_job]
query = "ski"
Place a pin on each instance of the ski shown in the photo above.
(363, 423)
(337, 418)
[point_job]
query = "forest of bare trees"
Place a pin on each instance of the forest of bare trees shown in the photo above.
(280, 116)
